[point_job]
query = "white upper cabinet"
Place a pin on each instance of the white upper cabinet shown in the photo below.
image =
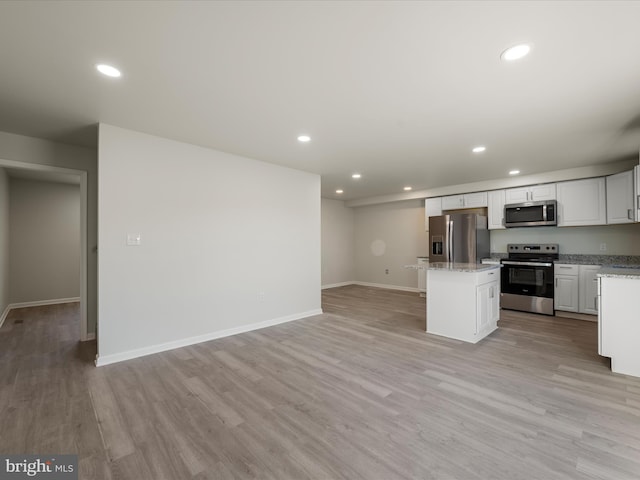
(532, 193)
(467, 200)
(621, 206)
(452, 202)
(582, 202)
(432, 208)
(475, 200)
(496, 200)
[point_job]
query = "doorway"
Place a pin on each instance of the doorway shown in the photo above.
(64, 175)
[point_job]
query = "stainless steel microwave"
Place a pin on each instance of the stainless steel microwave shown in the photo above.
(531, 214)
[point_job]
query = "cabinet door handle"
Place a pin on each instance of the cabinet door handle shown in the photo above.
(630, 214)
(565, 268)
(556, 283)
(595, 303)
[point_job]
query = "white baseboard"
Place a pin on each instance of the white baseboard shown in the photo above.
(4, 315)
(39, 303)
(388, 287)
(102, 360)
(340, 284)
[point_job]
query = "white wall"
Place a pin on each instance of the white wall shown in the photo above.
(4, 242)
(338, 243)
(216, 231)
(44, 239)
(389, 236)
(18, 150)
(620, 239)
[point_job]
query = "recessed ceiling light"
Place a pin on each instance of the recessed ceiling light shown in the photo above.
(406, 189)
(514, 172)
(108, 70)
(479, 149)
(304, 138)
(515, 52)
(356, 176)
(339, 191)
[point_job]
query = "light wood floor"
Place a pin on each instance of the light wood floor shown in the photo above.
(360, 392)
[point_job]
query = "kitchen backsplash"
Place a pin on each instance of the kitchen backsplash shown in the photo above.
(580, 259)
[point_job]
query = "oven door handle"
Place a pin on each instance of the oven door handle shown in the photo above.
(527, 264)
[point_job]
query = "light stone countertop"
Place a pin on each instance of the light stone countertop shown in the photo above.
(461, 267)
(620, 272)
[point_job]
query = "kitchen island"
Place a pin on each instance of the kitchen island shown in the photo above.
(463, 300)
(618, 318)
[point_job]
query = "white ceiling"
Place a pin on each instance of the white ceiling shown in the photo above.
(399, 91)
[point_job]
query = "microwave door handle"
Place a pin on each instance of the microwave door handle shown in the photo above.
(544, 213)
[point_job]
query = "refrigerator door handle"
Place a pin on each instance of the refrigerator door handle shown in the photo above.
(450, 241)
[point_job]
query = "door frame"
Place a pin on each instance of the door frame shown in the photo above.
(84, 317)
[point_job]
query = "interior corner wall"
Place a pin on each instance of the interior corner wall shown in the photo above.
(227, 244)
(338, 243)
(387, 237)
(44, 239)
(4, 242)
(20, 149)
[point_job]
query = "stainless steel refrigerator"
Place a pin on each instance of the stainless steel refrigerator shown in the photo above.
(458, 237)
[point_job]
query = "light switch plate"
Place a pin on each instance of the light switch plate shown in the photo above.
(134, 239)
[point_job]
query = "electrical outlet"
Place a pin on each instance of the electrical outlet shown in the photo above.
(386, 270)
(603, 247)
(261, 296)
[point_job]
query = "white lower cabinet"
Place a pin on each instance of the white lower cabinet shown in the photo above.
(565, 297)
(618, 325)
(487, 306)
(422, 276)
(589, 289)
(576, 288)
(463, 305)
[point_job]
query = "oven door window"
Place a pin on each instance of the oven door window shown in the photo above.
(526, 276)
(528, 280)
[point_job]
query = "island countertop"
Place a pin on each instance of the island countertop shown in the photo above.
(620, 272)
(461, 267)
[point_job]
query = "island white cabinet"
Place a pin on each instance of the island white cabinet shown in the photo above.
(422, 275)
(496, 202)
(582, 202)
(621, 199)
(565, 296)
(463, 303)
(466, 200)
(531, 193)
(618, 322)
(588, 285)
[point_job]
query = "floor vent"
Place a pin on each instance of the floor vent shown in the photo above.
(18, 321)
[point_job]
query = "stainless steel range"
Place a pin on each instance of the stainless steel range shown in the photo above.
(527, 277)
